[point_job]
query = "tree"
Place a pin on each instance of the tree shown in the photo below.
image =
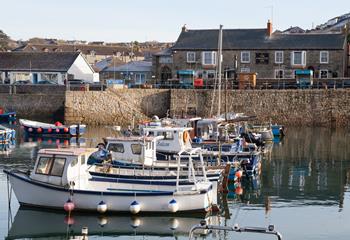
(4, 40)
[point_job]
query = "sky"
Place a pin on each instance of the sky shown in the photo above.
(161, 20)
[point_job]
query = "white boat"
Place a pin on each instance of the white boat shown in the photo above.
(47, 129)
(61, 179)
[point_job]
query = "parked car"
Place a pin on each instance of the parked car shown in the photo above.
(45, 82)
(77, 81)
(21, 82)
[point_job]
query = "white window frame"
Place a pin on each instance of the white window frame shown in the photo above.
(327, 54)
(303, 58)
(245, 70)
(242, 57)
(320, 74)
(277, 59)
(189, 60)
(213, 58)
(278, 70)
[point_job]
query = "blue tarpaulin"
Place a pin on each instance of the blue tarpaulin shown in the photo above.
(185, 72)
(303, 72)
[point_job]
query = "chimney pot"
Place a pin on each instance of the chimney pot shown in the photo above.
(269, 28)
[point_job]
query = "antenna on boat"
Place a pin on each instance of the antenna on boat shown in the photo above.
(219, 57)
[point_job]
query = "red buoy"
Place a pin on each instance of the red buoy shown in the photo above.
(49, 130)
(239, 191)
(39, 130)
(239, 174)
(57, 124)
(66, 130)
(69, 220)
(68, 206)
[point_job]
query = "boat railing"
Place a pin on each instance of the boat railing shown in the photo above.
(270, 230)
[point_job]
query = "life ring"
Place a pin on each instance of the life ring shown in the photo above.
(186, 136)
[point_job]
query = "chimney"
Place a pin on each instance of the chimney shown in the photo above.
(269, 28)
(184, 29)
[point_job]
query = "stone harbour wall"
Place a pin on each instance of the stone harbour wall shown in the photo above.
(35, 106)
(316, 107)
(115, 106)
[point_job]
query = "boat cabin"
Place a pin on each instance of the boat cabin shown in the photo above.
(133, 149)
(62, 166)
(175, 139)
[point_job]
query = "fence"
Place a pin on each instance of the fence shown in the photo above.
(282, 83)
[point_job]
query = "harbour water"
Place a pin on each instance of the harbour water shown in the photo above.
(303, 190)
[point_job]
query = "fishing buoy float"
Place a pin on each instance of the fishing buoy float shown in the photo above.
(239, 191)
(135, 207)
(239, 174)
(68, 206)
(39, 130)
(174, 224)
(49, 130)
(135, 222)
(69, 220)
(102, 221)
(57, 130)
(102, 207)
(173, 206)
(30, 129)
(66, 130)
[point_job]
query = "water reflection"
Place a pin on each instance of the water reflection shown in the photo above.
(306, 174)
(33, 223)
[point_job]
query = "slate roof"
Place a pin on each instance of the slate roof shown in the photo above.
(256, 39)
(137, 66)
(37, 61)
(83, 48)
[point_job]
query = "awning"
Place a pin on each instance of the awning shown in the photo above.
(303, 72)
(185, 72)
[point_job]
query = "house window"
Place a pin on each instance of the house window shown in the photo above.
(211, 74)
(278, 57)
(140, 78)
(116, 147)
(279, 73)
(323, 73)
(209, 58)
(324, 57)
(191, 57)
(299, 58)
(245, 70)
(245, 57)
(52, 77)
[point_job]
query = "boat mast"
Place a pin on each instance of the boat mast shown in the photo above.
(219, 69)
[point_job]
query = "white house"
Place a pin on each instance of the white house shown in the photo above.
(55, 67)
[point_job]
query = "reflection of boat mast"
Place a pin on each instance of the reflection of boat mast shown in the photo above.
(267, 204)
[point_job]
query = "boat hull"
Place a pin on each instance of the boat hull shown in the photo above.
(37, 194)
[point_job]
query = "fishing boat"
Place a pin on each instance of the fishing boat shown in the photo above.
(7, 117)
(31, 223)
(7, 135)
(57, 129)
(61, 174)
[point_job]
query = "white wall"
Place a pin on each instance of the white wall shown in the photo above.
(82, 70)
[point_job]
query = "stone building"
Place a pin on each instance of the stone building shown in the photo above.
(260, 51)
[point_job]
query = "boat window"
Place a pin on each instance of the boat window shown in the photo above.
(116, 147)
(83, 159)
(58, 167)
(50, 166)
(166, 135)
(74, 162)
(136, 149)
(44, 165)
